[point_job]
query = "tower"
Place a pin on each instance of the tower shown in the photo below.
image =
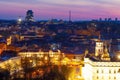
(29, 16)
(105, 56)
(69, 16)
(9, 40)
(99, 48)
(86, 52)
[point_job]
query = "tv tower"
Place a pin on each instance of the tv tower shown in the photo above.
(69, 16)
(29, 16)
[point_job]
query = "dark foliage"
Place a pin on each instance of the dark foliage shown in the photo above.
(8, 54)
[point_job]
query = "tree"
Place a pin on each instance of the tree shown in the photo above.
(57, 74)
(4, 74)
(8, 54)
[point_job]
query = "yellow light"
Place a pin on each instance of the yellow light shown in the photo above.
(118, 56)
(30, 60)
(78, 77)
(46, 58)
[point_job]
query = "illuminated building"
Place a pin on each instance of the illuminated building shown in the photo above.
(99, 48)
(3, 47)
(9, 40)
(100, 70)
(100, 66)
(41, 58)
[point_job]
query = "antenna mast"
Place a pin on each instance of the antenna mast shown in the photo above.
(69, 16)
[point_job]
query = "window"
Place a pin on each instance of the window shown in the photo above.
(109, 71)
(97, 77)
(102, 71)
(114, 77)
(109, 77)
(102, 78)
(97, 71)
(114, 71)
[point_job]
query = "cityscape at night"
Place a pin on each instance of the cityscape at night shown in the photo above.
(59, 40)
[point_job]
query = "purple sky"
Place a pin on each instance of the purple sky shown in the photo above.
(48, 9)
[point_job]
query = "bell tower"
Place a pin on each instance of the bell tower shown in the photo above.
(99, 48)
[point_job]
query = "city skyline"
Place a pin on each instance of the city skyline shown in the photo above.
(47, 9)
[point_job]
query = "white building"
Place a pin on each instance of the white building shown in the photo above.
(98, 70)
(100, 66)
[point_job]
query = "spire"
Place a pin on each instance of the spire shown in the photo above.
(105, 55)
(69, 16)
(99, 37)
(86, 52)
(99, 48)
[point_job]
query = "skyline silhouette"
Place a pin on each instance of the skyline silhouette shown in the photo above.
(47, 9)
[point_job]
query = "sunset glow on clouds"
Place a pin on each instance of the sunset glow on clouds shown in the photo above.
(48, 9)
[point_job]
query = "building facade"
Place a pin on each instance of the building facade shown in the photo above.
(100, 66)
(97, 70)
